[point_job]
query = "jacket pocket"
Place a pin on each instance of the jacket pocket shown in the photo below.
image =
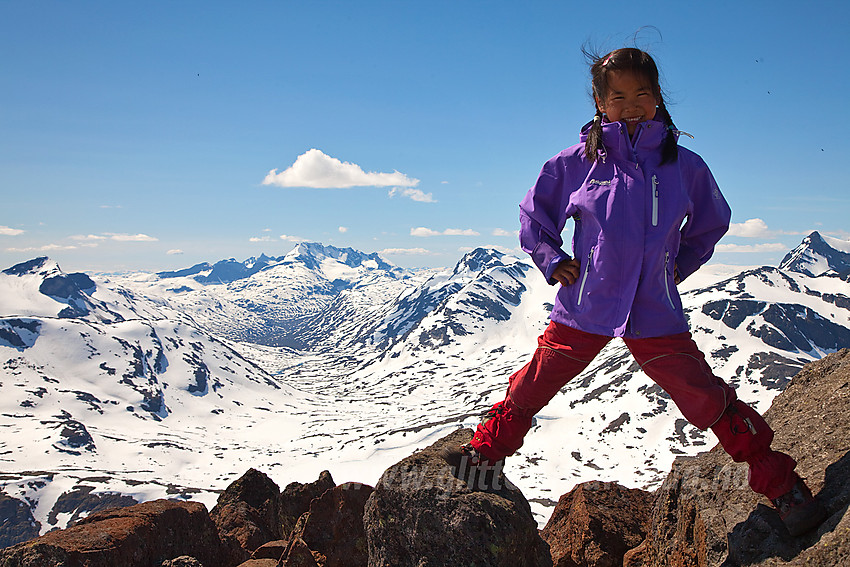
(584, 276)
(667, 279)
(654, 200)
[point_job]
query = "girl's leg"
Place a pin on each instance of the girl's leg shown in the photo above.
(676, 364)
(562, 353)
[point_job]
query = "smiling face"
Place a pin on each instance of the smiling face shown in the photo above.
(629, 98)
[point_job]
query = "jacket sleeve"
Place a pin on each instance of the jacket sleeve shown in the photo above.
(707, 222)
(542, 215)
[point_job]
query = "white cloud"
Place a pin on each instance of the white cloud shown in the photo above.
(290, 238)
(261, 239)
(422, 231)
(318, 170)
(503, 232)
(406, 252)
(6, 231)
(752, 248)
(45, 248)
(87, 237)
(752, 228)
(131, 237)
(503, 249)
(414, 194)
(175, 252)
(343, 229)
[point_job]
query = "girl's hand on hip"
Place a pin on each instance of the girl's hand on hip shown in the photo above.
(567, 271)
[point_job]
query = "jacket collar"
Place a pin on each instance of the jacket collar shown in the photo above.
(615, 137)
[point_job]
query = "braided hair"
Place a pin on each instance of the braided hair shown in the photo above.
(640, 63)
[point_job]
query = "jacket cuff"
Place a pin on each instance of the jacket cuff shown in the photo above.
(546, 257)
(687, 263)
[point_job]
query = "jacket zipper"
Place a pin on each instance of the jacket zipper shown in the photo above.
(584, 277)
(667, 279)
(654, 201)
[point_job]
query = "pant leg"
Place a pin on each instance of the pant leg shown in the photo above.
(562, 353)
(676, 364)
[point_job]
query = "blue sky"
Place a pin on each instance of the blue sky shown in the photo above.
(138, 136)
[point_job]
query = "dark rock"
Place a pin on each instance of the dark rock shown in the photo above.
(706, 514)
(419, 514)
(596, 523)
(271, 550)
(138, 536)
(17, 523)
(246, 513)
(296, 497)
(334, 526)
(182, 561)
(297, 554)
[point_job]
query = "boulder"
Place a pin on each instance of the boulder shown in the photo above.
(246, 514)
(419, 514)
(296, 497)
(137, 536)
(596, 523)
(705, 514)
(297, 554)
(271, 550)
(333, 526)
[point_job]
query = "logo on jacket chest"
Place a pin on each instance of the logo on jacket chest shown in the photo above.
(599, 182)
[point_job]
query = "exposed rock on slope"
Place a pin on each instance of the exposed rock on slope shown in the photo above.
(706, 515)
(419, 514)
(144, 534)
(595, 524)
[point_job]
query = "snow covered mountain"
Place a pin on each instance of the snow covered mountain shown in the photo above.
(145, 385)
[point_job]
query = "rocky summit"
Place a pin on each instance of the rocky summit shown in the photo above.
(419, 514)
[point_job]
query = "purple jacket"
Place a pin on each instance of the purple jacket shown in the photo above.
(629, 236)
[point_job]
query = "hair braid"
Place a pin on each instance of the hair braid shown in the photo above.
(594, 138)
(670, 151)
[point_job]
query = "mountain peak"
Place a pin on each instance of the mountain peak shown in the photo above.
(478, 260)
(817, 255)
(313, 253)
(41, 266)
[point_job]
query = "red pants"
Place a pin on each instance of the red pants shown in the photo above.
(676, 364)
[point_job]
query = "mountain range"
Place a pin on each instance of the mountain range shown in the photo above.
(133, 386)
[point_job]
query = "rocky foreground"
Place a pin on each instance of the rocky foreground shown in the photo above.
(418, 515)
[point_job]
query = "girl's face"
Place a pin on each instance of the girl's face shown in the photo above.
(629, 99)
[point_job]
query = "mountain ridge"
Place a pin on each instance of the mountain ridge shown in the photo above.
(386, 362)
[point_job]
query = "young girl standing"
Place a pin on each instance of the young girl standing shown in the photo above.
(647, 214)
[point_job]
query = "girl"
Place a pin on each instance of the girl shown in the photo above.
(629, 187)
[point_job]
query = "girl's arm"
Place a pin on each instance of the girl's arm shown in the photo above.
(542, 218)
(707, 222)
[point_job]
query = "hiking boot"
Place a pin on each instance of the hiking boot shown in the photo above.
(473, 468)
(799, 510)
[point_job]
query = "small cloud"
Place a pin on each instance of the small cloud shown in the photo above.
(503, 232)
(175, 252)
(131, 237)
(752, 248)
(752, 228)
(111, 207)
(261, 239)
(343, 229)
(7, 231)
(413, 194)
(444, 182)
(425, 232)
(87, 237)
(406, 252)
(317, 170)
(290, 238)
(45, 248)
(503, 249)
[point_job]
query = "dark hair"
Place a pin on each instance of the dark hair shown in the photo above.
(640, 63)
